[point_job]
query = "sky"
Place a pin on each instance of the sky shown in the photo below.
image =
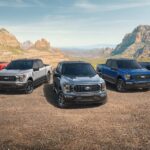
(68, 23)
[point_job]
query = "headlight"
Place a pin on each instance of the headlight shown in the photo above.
(127, 76)
(103, 86)
(20, 78)
(67, 88)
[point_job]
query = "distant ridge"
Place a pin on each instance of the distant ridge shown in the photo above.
(8, 40)
(135, 44)
(11, 48)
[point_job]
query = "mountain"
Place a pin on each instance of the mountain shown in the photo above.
(135, 44)
(27, 45)
(7, 40)
(42, 44)
(11, 48)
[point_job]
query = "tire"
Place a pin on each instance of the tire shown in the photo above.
(120, 85)
(61, 100)
(29, 87)
(48, 77)
(54, 88)
(146, 89)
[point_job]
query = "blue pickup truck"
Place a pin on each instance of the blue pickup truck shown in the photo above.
(125, 74)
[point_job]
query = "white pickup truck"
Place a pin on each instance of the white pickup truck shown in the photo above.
(24, 74)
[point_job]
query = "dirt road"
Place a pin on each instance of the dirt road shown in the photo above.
(34, 122)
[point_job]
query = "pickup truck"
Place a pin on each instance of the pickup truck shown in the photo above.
(3, 65)
(78, 82)
(125, 74)
(145, 65)
(24, 74)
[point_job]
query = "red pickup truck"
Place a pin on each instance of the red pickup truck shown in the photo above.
(3, 65)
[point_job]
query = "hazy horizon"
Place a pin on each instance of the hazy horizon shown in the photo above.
(70, 23)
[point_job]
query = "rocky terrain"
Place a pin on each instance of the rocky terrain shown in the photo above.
(42, 44)
(7, 40)
(11, 48)
(135, 44)
(33, 122)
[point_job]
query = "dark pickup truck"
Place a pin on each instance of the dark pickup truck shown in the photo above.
(125, 74)
(78, 82)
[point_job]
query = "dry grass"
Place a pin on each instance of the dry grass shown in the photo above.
(34, 122)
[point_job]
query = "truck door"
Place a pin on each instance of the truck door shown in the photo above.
(36, 72)
(42, 70)
(113, 71)
(106, 71)
(57, 76)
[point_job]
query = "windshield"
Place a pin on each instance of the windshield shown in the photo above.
(78, 69)
(20, 65)
(128, 64)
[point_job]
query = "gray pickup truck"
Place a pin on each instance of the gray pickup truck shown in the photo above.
(76, 81)
(24, 74)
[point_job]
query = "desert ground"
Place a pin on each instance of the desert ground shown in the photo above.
(35, 122)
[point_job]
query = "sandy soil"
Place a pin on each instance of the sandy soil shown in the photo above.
(34, 122)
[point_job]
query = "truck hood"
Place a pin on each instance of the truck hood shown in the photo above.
(6, 72)
(136, 71)
(83, 80)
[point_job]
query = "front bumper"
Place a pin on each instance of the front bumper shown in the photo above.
(12, 86)
(99, 97)
(137, 84)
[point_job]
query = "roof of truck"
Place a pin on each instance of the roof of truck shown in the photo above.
(73, 62)
(25, 59)
(121, 59)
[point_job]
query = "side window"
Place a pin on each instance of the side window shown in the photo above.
(114, 64)
(58, 69)
(40, 63)
(35, 64)
(108, 63)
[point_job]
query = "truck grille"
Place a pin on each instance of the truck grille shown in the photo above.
(7, 78)
(142, 77)
(87, 88)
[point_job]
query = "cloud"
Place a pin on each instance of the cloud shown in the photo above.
(91, 7)
(86, 5)
(21, 3)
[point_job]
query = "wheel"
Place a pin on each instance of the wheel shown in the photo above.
(146, 89)
(48, 78)
(120, 85)
(61, 100)
(54, 88)
(30, 87)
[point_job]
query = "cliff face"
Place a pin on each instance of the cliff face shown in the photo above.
(135, 44)
(42, 44)
(11, 48)
(7, 40)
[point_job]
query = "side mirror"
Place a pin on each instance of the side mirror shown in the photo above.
(56, 74)
(35, 69)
